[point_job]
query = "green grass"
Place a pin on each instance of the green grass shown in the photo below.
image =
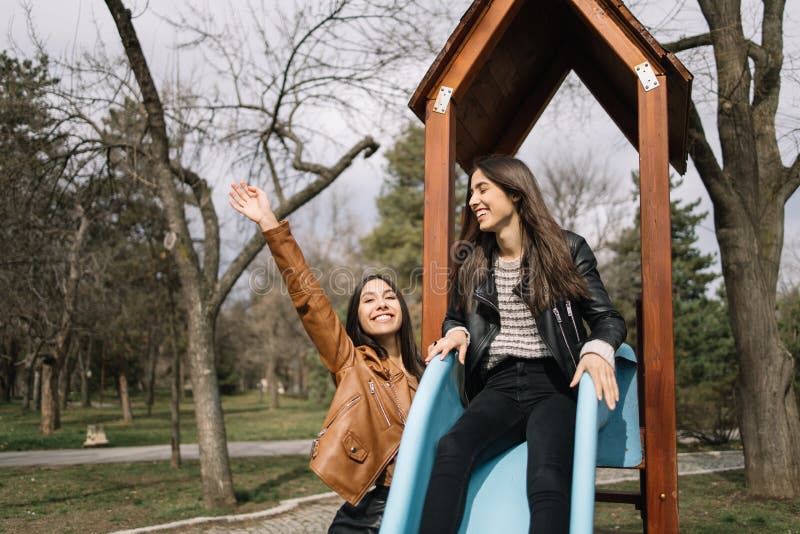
(246, 419)
(715, 503)
(101, 498)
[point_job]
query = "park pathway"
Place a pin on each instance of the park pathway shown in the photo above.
(313, 514)
(150, 453)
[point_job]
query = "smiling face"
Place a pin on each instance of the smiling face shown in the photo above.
(492, 206)
(379, 311)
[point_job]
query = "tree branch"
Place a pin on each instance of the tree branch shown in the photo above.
(276, 183)
(71, 286)
(326, 176)
(792, 180)
(368, 145)
(687, 43)
(202, 194)
(703, 157)
(184, 254)
(757, 53)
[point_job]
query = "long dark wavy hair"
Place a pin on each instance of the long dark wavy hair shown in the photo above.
(548, 272)
(412, 360)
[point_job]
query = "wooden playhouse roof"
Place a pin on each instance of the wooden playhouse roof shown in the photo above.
(505, 61)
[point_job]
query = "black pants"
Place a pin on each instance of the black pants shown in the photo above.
(365, 517)
(522, 400)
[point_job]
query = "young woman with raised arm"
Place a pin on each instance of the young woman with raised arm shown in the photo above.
(375, 364)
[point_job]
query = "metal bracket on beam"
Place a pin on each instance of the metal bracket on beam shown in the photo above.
(646, 75)
(442, 99)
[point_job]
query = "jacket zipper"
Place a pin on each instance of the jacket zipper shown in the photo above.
(347, 406)
(575, 326)
(396, 401)
(564, 336)
(380, 404)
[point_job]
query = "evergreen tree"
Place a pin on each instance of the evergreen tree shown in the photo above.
(705, 358)
(396, 241)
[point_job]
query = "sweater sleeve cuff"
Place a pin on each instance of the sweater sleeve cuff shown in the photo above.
(601, 348)
(459, 328)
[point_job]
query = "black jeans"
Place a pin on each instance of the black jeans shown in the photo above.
(365, 517)
(522, 400)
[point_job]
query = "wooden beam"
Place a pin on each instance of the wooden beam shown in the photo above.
(624, 45)
(659, 395)
(438, 223)
(477, 47)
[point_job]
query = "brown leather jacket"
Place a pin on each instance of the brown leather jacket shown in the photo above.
(358, 442)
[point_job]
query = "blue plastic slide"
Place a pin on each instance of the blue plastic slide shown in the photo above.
(496, 499)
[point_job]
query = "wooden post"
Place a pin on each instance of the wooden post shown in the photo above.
(660, 442)
(438, 223)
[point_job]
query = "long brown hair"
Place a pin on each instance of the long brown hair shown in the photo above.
(412, 360)
(548, 271)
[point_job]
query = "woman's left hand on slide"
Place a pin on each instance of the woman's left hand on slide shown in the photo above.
(605, 382)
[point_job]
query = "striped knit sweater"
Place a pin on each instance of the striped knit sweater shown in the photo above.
(518, 337)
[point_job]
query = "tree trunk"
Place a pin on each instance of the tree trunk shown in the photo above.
(102, 372)
(84, 365)
(125, 398)
(177, 384)
(65, 377)
(214, 462)
(272, 384)
(6, 366)
(7, 378)
(50, 407)
(304, 368)
(749, 187)
(296, 367)
(182, 378)
(769, 420)
(51, 416)
(37, 384)
(27, 393)
(152, 359)
(175, 406)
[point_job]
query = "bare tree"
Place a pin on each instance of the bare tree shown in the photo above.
(749, 186)
(318, 60)
(51, 410)
(585, 198)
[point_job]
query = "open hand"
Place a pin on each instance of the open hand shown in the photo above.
(605, 382)
(253, 203)
(456, 339)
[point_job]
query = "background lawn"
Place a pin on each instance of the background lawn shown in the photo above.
(103, 498)
(246, 419)
(111, 497)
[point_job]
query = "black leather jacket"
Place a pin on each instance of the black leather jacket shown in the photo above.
(561, 327)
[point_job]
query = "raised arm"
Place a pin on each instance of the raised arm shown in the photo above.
(319, 320)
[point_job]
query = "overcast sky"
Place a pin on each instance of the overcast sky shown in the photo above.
(69, 27)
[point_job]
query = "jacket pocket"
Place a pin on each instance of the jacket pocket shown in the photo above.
(354, 447)
(345, 407)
